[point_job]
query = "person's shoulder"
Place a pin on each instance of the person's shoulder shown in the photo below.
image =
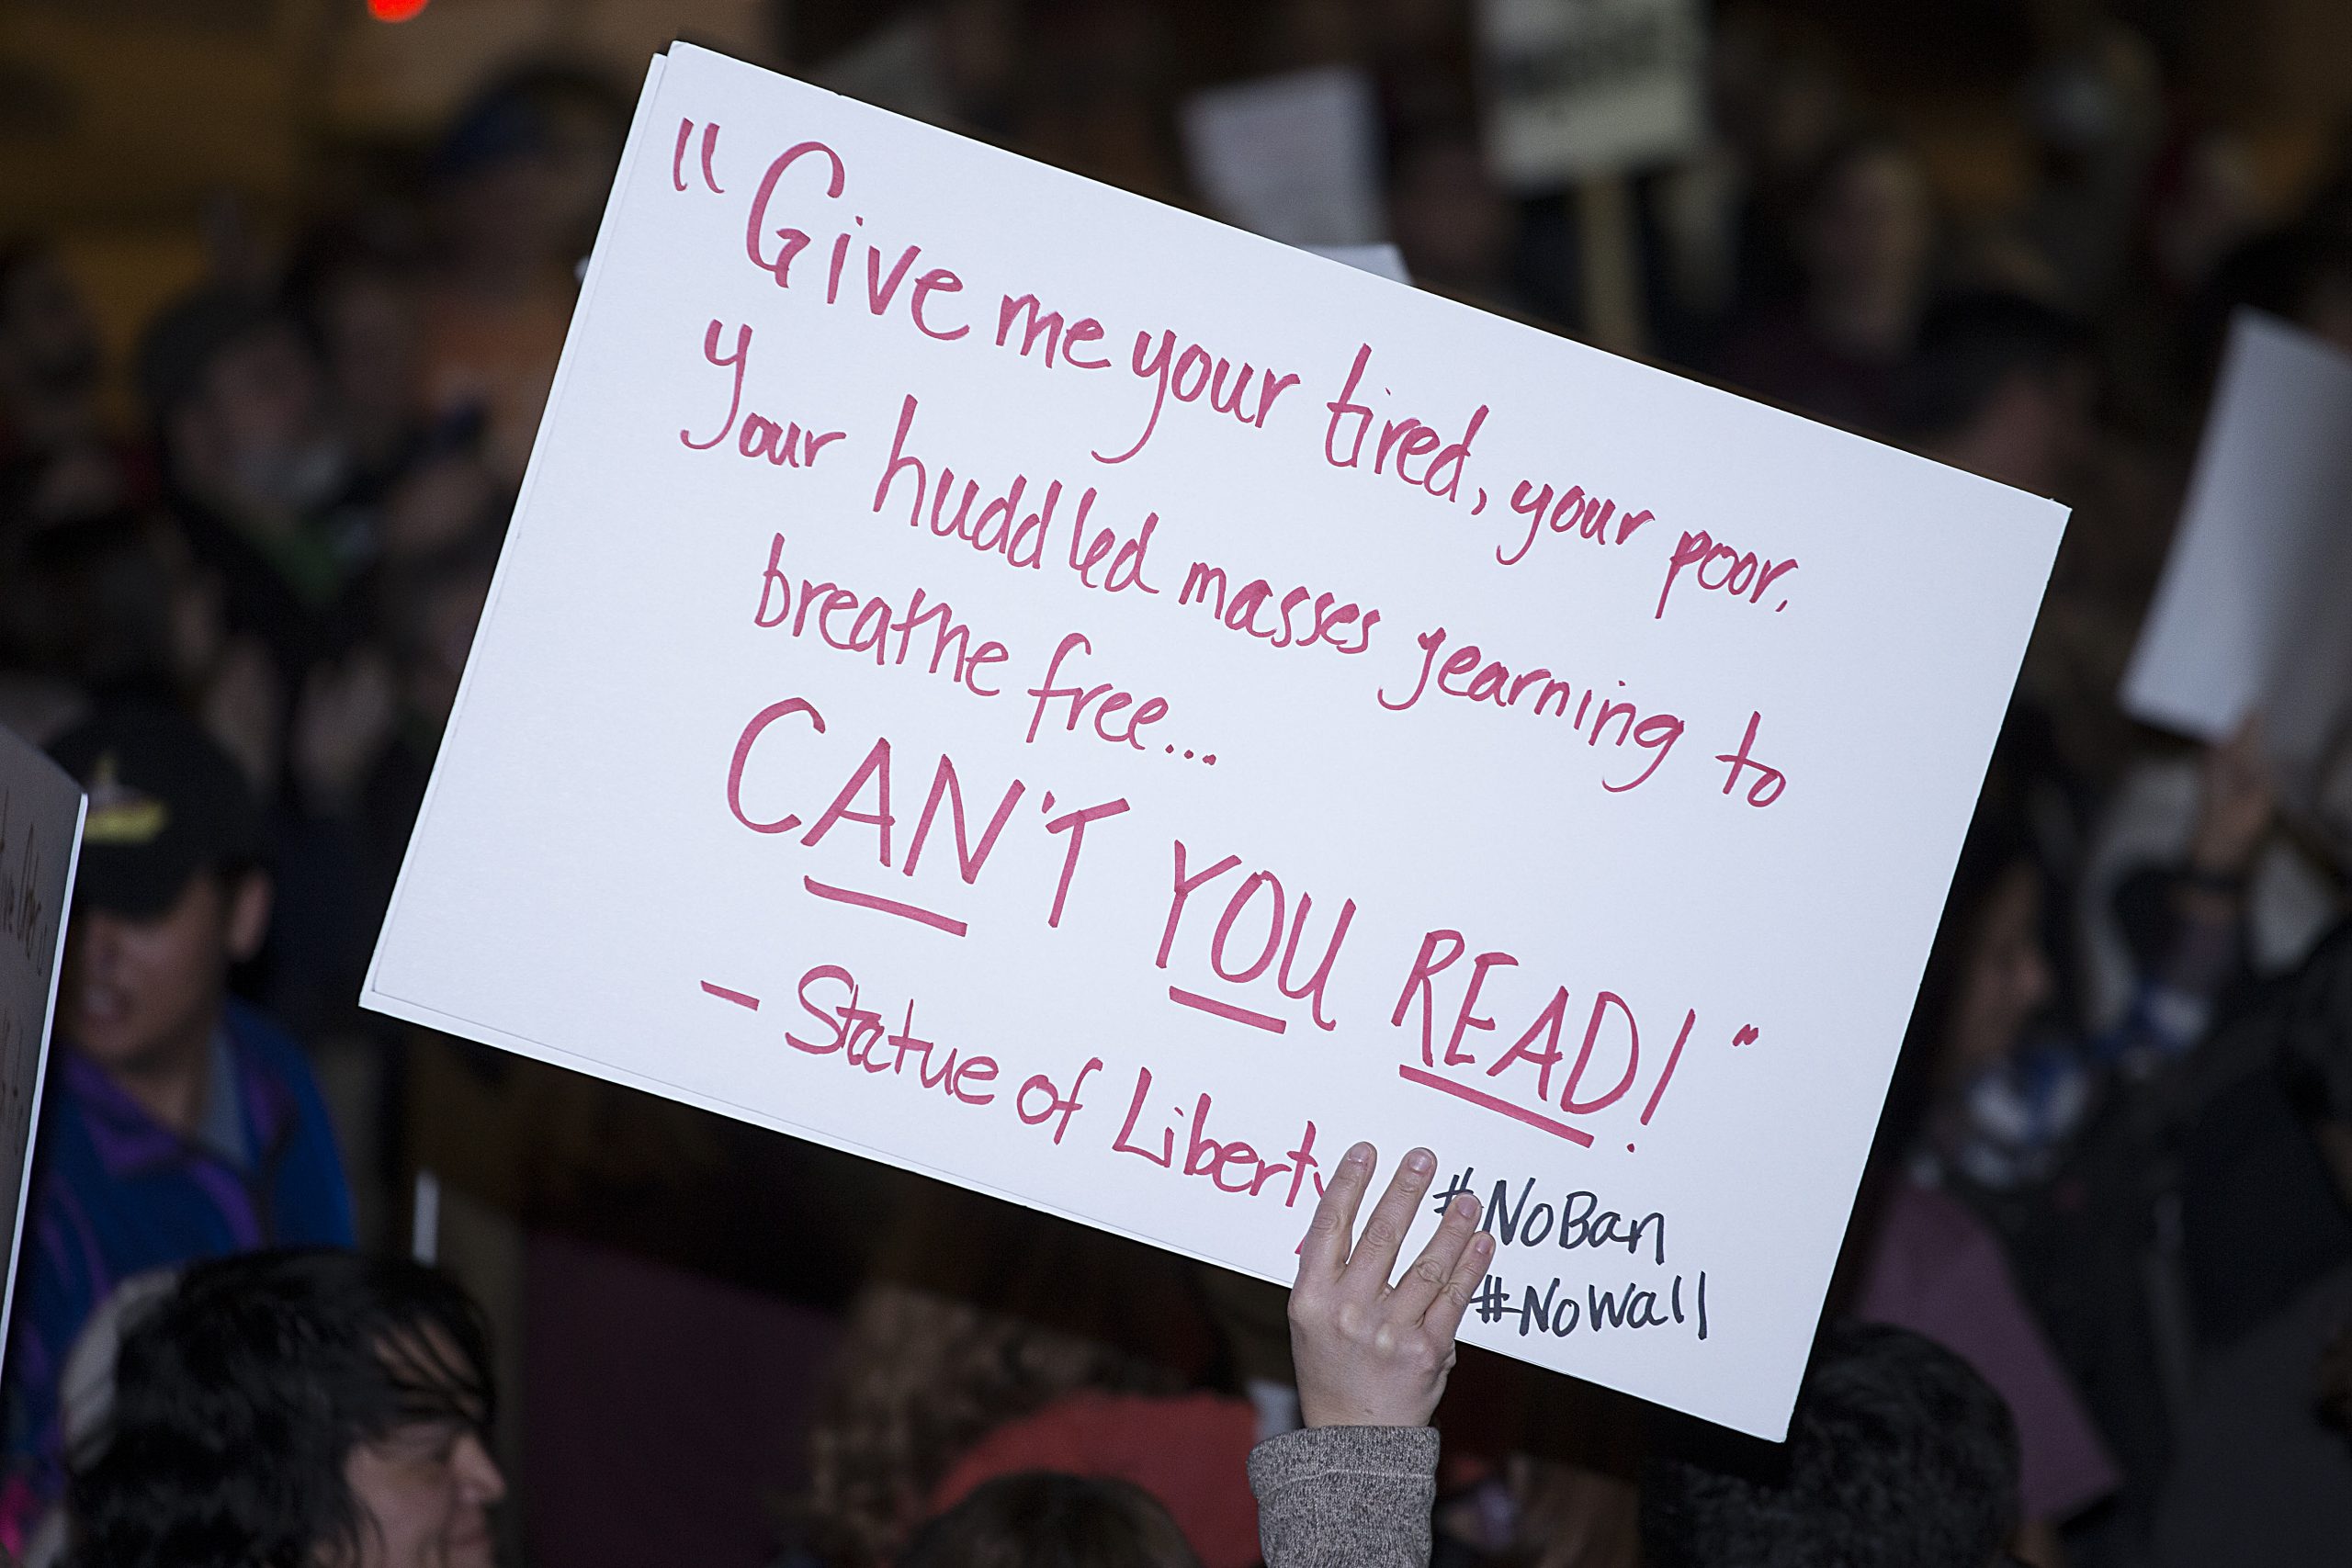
(81, 1104)
(290, 1120)
(67, 1142)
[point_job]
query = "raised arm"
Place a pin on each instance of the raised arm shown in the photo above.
(1356, 1486)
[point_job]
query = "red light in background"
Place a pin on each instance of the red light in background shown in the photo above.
(395, 10)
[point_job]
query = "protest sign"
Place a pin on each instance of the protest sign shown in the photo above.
(999, 675)
(2250, 613)
(1577, 89)
(41, 837)
(1295, 158)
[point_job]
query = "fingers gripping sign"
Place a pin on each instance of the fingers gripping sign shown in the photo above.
(1370, 1353)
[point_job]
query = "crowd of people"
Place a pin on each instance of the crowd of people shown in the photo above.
(2094, 1305)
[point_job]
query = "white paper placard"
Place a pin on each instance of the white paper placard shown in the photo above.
(40, 841)
(2251, 612)
(1631, 715)
(1295, 158)
(1576, 88)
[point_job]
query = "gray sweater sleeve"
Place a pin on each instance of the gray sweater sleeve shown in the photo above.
(1346, 1496)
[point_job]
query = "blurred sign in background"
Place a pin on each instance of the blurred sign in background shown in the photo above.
(1582, 87)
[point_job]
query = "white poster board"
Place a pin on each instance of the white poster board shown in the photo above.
(959, 751)
(1576, 88)
(2254, 608)
(40, 841)
(1296, 157)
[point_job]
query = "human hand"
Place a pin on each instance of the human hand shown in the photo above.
(1370, 1354)
(2234, 804)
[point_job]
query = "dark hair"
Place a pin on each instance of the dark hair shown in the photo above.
(240, 1394)
(1044, 1520)
(1899, 1452)
(1969, 349)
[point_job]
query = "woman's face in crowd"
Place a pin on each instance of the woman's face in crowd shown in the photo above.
(136, 988)
(2009, 977)
(427, 1488)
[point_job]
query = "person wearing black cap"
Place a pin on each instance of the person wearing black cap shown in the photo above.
(180, 1124)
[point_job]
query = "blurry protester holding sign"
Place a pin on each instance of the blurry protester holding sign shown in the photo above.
(2021, 1165)
(1978, 1086)
(181, 1123)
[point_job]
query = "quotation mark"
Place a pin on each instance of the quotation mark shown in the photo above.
(709, 149)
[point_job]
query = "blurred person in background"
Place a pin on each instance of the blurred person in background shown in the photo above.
(94, 611)
(1040, 1519)
(424, 496)
(1863, 238)
(989, 1340)
(260, 482)
(2015, 1206)
(2001, 386)
(1781, 104)
(2009, 387)
(255, 473)
(364, 737)
(180, 1124)
(1923, 1260)
(357, 295)
(58, 459)
(115, 609)
(518, 185)
(293, 1407)
(1898, 1453)
(2094, 106)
